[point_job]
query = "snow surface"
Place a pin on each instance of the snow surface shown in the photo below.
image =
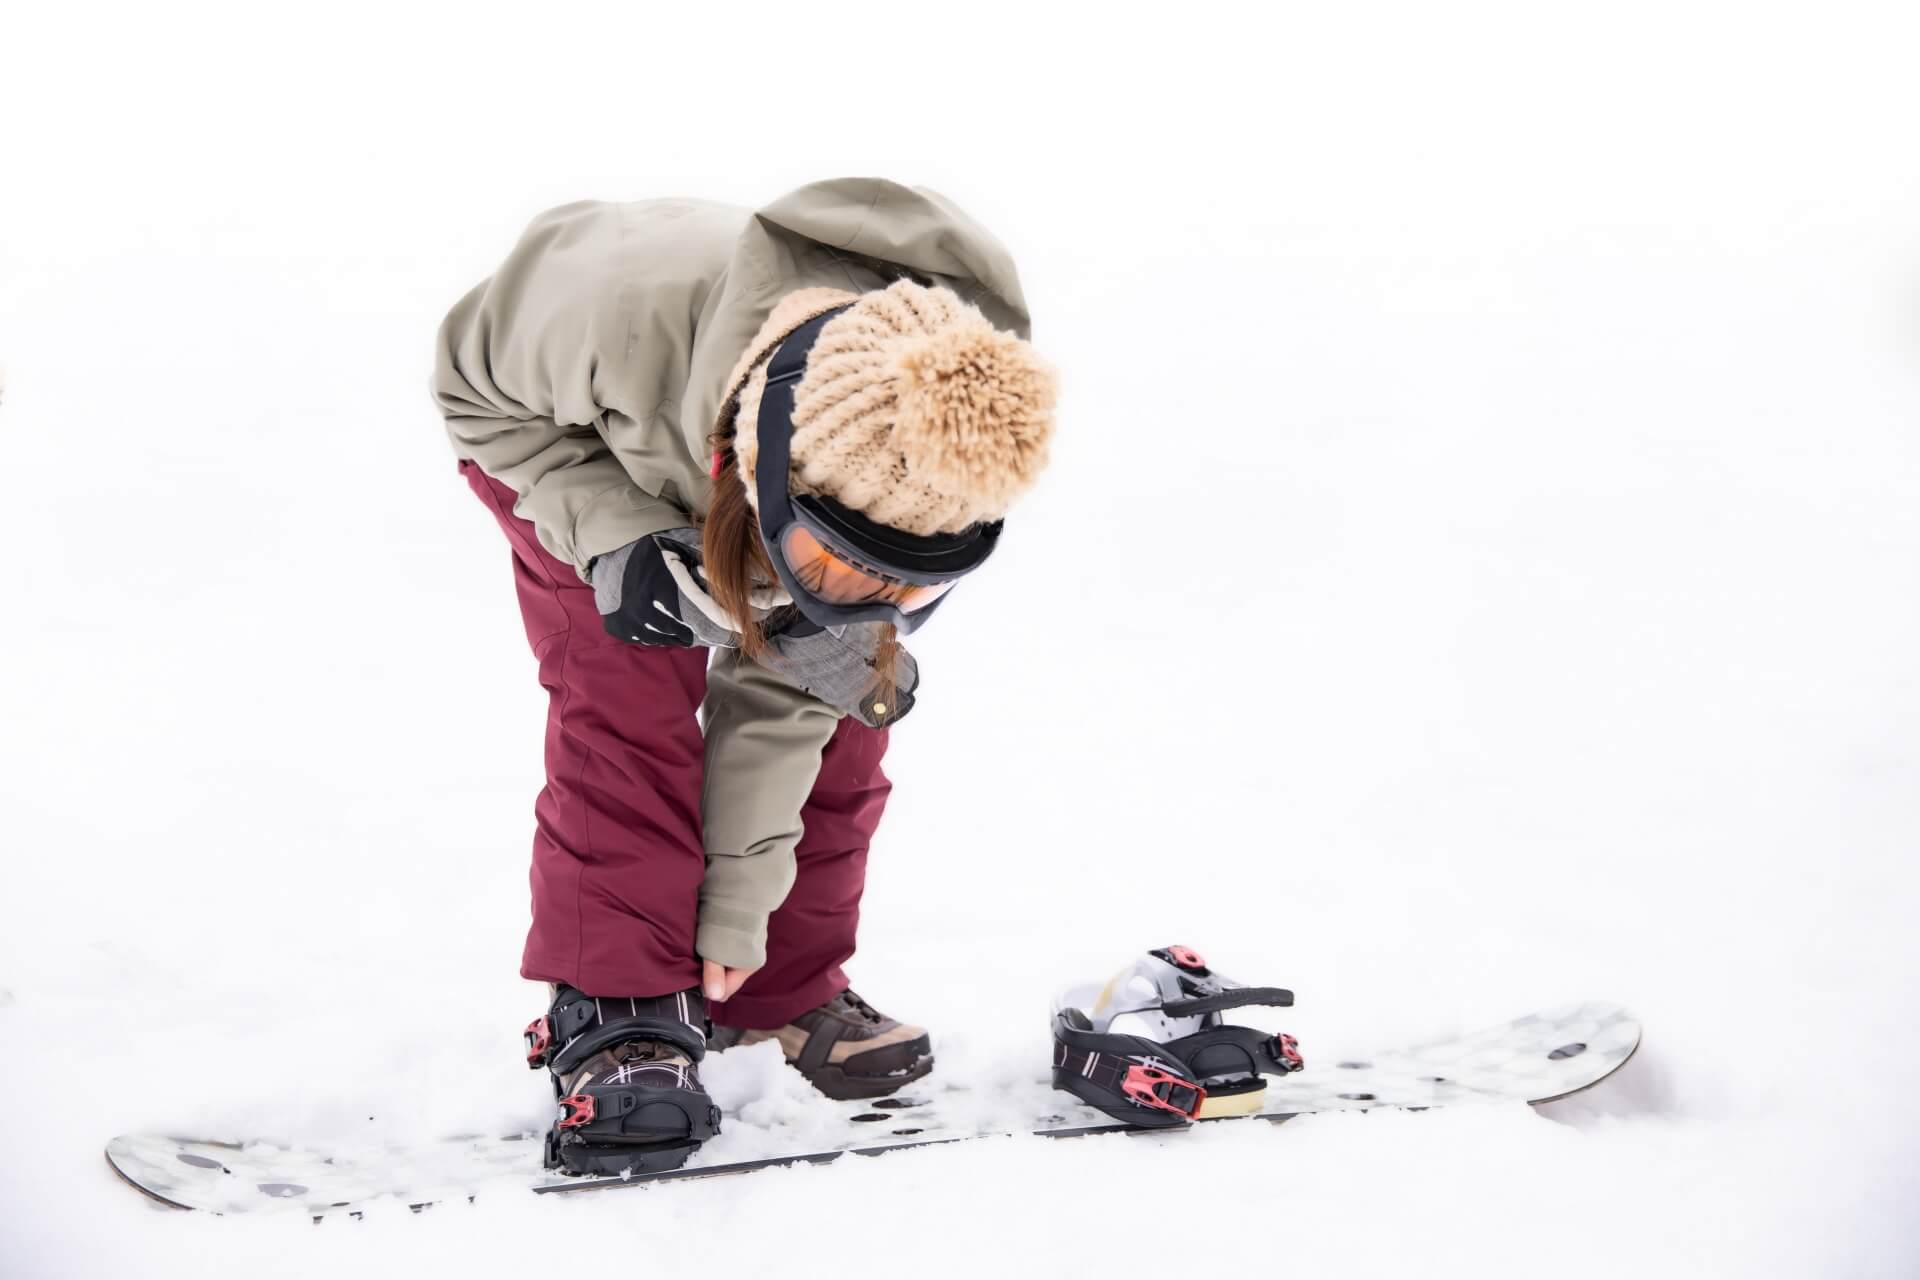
(1479, 570)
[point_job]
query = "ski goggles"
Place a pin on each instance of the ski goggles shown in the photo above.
(839, 566)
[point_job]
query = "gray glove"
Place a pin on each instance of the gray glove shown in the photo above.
(652, 592)
(836, 666)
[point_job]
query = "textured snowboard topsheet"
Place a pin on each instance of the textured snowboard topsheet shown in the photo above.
(1537, 1058)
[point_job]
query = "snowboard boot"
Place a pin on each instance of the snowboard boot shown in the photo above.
(846, 1048)
(626, 1076)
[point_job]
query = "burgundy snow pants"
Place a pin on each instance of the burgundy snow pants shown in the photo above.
(617, 850)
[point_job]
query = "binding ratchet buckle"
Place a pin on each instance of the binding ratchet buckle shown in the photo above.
(539, 1036)
(1162, 1091)
(1286, 1051)
(579, 1109)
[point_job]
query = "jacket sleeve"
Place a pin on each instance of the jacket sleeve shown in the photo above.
(522, 367)
(764, 739)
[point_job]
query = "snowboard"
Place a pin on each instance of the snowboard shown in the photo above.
(1538, 1058)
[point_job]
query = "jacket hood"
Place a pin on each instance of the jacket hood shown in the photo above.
(820, 246)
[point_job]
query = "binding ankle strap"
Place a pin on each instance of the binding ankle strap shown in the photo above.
(578, 1025)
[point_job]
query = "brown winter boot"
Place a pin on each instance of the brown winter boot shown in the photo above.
(846, 1048)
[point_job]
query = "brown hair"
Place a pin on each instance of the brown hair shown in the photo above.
(735, 561)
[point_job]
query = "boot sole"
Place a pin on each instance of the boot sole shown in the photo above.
(849, 1086)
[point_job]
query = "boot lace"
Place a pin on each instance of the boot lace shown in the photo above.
(641, 1051)
(855, 1005)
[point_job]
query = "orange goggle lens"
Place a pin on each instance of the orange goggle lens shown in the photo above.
(832, 579)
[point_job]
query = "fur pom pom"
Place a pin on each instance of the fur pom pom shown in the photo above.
(975, 412)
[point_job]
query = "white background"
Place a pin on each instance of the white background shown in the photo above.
(1478, 570)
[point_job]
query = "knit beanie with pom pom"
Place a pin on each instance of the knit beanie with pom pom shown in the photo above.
(914, 410)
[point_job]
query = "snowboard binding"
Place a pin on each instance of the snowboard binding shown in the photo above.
(1149, 1047)
(626, 1080)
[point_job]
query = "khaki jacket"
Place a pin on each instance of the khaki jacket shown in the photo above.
(586, 373)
